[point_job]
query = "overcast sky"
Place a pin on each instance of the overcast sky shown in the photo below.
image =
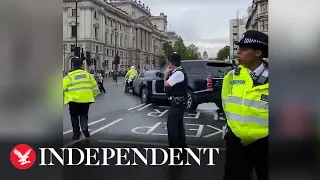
(204, 23)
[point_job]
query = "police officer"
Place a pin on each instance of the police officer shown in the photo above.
(176, 87)
(245, 102)
(79, 89)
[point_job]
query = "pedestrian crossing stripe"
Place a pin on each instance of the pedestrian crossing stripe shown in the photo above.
(249, 41)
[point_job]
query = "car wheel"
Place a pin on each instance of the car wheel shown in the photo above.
(145, 96)
(191, 103)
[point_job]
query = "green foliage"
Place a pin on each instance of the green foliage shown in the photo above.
(223, 53)
(190, 52)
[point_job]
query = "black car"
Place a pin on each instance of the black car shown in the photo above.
(204, 78)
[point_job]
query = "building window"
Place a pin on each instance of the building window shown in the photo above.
(97, 49)
(107, 51)
(117, 53)
(73, 12)
(96, 32)
(264, 8)
(120, 26)
(112, 52)
(106, 20)
(235, 26)
(121, 41)
(73, 47)
(95, 15)
(111, 21)
(234, 34)
(111, 37)
(73, 31)
(106, 36)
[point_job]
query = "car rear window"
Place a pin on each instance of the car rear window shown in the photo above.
(150, 73)
(218, 69)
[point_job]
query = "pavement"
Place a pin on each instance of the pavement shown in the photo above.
(118, 119)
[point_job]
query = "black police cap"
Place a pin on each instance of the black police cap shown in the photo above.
(255, 39)
(77, 62)
(175, 59)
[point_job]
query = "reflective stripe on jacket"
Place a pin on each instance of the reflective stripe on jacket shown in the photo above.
(79, 86)
(245, 106)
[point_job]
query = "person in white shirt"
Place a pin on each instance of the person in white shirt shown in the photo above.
(176, 86)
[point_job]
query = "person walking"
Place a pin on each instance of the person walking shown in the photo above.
(245, 94)
(79, 90)
(99, 79)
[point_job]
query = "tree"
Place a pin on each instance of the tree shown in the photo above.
(167, 49)
(193, 52)
(223, 53)
(162, 61)
(187, 53)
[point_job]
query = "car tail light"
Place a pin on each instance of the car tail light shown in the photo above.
(209, 83)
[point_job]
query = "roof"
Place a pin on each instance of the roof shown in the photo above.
(212, 61)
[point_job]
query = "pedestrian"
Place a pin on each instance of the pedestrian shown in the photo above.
(176, 87)
(79, 89)
(245, 94)
(99, 79)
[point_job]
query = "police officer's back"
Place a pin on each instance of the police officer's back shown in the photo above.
(245, 102)
(79, 89)
(176, 88)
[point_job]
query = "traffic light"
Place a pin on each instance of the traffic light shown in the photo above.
(88, 58)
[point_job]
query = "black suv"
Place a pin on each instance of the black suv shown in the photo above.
(204, 78)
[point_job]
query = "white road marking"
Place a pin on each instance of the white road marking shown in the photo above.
(164, 107)
(93, 132)
(148, 143)
(136, 106)
(92, 123)
(144, 107)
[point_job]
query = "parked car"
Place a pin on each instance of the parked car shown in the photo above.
(205, 83)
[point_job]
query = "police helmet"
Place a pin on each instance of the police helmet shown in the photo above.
(77, 62)
(175, 59)
(132, 67)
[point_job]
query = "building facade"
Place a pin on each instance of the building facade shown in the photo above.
(258, 16)
(172, 37)
(106, 28)
(237, 28)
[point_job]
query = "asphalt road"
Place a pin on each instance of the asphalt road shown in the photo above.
(117, 119)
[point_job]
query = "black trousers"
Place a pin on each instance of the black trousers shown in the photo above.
(240, 160)
(175, 127)
(101, 88)
(79, 115)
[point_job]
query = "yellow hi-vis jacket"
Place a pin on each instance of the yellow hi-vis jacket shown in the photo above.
(132, 73)
(79, 86)
(245, 106)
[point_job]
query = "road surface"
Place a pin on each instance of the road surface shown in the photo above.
(117, 119)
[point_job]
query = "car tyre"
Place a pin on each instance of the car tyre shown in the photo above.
(191, 102)
(145, 95)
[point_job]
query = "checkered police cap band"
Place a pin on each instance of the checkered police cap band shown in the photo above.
(251, 41)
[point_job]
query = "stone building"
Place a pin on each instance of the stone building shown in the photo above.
(107, 28)
(258, 16)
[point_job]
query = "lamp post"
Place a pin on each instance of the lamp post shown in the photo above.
(116, 57)
(154, 54)
(76, 46)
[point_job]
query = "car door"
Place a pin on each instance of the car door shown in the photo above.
(137, 82)
(157, 83)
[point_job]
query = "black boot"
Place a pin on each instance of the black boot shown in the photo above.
(86, 133)
(76, 136)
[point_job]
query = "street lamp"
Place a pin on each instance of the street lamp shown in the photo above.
(154, 54)
(116, 57)
(77, 51)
